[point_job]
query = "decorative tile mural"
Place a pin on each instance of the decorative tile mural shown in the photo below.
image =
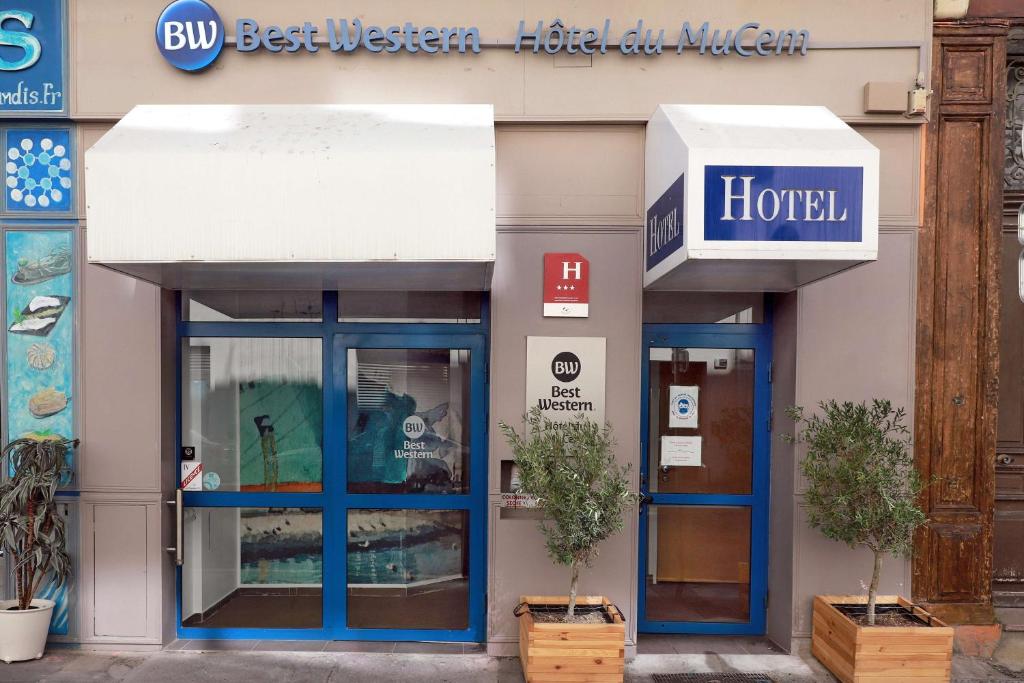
(40, 334)
(38, 170)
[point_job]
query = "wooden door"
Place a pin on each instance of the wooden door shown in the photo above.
(958, 320)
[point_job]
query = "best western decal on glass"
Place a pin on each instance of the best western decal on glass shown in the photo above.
(406, 409)
(32, 57)
(191, 34)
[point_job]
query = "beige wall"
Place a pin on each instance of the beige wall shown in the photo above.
(569, 181)
(855, 341)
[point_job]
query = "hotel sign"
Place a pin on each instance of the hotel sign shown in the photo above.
(566, 286)
(33, 58)
(664, 229)
(783, 203)
(190, 35)
(565, 377)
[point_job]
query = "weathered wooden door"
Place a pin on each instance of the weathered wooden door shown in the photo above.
(958, 321)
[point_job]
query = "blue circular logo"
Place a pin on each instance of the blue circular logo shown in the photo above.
(684, 406)
(189, 34)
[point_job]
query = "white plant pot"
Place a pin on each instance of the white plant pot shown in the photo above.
(23, 632)
(951, 9)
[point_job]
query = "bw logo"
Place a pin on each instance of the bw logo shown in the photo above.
(566, 366)
(190, 34)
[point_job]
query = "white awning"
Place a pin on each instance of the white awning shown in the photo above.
(755, 197)
(305, 196)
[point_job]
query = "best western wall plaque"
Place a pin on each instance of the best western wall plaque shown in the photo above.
(565, 377)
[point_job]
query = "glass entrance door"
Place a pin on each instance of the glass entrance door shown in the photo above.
(413, 515)
(704, 516)
(333, 471)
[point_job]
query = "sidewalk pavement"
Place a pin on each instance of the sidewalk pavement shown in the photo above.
(67, 665)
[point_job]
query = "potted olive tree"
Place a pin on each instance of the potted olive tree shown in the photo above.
(571, 470)
(863, 490)
(32, 534)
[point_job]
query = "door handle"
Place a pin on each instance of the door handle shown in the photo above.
(1005, 459)
(179, 528)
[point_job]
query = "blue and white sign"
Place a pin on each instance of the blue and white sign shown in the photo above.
(664, 229)
(682, 407)
(783, 203)
(776, 197)
(38, 171)
(190, 34)
(33, 57)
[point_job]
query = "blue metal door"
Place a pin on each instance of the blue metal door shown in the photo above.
(411, 519)
(705, 448)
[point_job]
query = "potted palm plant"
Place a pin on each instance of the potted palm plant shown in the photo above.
(863, 490)
(570, 469)
(33, 535)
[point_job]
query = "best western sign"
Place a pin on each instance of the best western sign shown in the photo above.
(755, 198)
(565, 377)
(190, 34)
(33, 57)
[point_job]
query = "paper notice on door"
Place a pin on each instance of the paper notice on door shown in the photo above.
(682, 407)
(680, 451)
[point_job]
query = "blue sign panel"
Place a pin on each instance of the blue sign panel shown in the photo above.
(783, 203)
(37, 170)
(32, 57)
(664, 228)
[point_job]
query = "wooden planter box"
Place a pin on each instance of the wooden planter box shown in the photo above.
(863, 654)
(572, 652)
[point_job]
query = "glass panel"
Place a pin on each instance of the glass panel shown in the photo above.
(252, 567)
(408, 420)
(277, 306)
(701, 420)
(703, 307)
(698, 564)
(408, 569)
(253, 411)
(409, 307)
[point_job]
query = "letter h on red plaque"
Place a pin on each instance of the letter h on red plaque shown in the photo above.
(566, 286)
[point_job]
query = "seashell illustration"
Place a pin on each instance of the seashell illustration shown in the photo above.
(47, 402)
(41, 356)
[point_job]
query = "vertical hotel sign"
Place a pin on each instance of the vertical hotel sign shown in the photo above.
(33, 58)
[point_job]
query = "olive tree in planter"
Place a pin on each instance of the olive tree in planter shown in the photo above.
(571, 470)
(32, 534)
(863, 490)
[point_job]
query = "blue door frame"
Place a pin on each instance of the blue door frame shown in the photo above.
(334, 498)
(714, 336)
